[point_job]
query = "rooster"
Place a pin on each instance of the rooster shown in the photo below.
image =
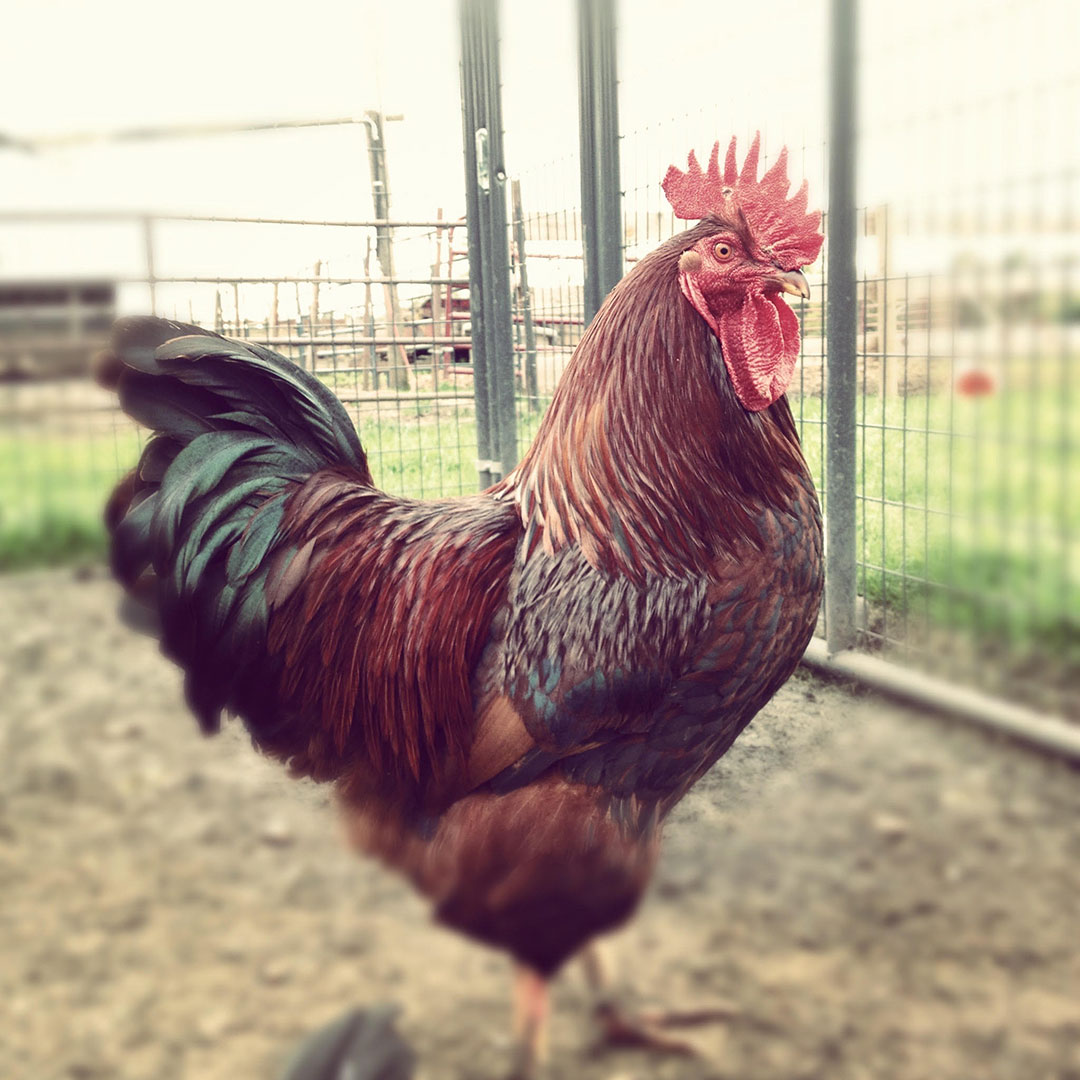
(510, 690)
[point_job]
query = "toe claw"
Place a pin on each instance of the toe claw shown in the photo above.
(709, 1014)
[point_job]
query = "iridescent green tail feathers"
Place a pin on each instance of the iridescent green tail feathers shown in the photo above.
(195, 527)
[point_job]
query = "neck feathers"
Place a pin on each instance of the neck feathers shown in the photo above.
(646, 459)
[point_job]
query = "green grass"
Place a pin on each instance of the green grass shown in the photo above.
(966, 515)
(966, 511)
(53, 486)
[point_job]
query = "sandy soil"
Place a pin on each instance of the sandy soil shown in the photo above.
(878, 894)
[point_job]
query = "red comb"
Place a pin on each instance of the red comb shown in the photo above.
(780, 226)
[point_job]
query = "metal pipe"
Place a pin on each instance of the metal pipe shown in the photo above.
(1046, 733)
(18, 216)
(532, 391)
(384, 239)
(346, 339)
(35, 143)
(489, 252)
(369, 280)
(601, 220)
(501, 327)
(842, 318)
(148, 252)
(475, 132)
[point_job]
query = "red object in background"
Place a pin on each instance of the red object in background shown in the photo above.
(975, 382)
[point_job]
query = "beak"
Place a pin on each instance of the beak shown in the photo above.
(792, 281)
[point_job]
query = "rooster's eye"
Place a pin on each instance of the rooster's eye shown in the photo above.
(723, 251)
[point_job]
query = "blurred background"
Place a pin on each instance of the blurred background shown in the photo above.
(301, 179)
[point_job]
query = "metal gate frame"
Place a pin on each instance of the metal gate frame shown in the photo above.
(602, 247)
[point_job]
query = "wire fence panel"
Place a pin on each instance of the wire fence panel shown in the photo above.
(968, 557)
(548, 254)
(969, 449)
(395, 351)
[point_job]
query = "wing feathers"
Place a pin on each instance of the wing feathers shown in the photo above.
(393, 610)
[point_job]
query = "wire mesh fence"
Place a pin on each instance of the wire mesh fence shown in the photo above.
(969, 450)
(968, 554)
(396, 351)
(968, 447)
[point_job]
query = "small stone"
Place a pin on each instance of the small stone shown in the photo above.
(277, 833)
(195, 781)
(85, 944)
(275, 972)
(890, 826)
(232, 951)
(124, 728)
(212, 1025)
(52, 770)
(126, 916)
(85, 1069)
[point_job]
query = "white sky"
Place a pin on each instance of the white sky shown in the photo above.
(958, 94)
(75, 66)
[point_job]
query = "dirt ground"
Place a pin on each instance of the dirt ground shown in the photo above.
(878, 894)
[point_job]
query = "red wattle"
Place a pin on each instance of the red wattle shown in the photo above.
(760, 343)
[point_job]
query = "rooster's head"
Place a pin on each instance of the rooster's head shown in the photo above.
(734, 276)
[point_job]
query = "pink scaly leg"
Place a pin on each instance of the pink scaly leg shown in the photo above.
(531, 1010)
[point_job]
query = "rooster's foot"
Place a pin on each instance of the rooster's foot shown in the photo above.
(648, 1030)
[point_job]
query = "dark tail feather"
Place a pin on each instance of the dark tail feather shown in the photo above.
(195, 527)
(362, 1045)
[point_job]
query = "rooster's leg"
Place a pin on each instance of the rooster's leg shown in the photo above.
(530, 1022)
(620, 1027)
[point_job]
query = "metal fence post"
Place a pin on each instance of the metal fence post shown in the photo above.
(601, 194)
(489, 250)
(148, 253)
(532, 389)
(842, 319)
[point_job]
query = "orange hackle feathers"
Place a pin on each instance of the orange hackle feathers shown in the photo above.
(633, 497)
